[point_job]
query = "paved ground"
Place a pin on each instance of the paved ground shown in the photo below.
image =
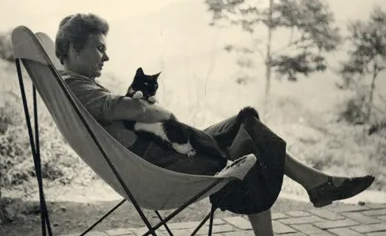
(345, 220)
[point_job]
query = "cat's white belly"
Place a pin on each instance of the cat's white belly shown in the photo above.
(155, 128)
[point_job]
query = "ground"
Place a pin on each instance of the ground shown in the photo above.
(73, 208)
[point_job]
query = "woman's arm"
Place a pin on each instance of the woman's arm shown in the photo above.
(105, 106)
(138, 110)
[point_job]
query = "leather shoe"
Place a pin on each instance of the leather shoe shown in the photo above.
(327, 192)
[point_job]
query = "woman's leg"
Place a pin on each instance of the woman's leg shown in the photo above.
(296, 170)
(264, 183)
(322, 188)
(305, 175)
(262, 223)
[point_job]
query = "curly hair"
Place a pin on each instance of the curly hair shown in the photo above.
(76, 29)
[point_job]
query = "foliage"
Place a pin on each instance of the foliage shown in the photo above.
(304, 63)
(310, 22)
(6, 52)
(60, 164)
(366, 57)
(354, 109)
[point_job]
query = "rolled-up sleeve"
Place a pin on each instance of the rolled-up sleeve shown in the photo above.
(98, 101)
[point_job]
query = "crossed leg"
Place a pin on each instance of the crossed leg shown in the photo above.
(325, 188)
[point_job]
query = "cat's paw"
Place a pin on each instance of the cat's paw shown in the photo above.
(152, 99)
(138, 95)
(184, 148)
(191, 153)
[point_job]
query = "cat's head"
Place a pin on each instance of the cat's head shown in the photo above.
(148, 84)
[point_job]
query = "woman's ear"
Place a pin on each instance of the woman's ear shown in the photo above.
(72, 56)
(72, 52)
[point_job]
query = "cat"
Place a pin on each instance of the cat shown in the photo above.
(171, 133)
(144, 86)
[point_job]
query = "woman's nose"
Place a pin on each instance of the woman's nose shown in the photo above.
(105, 57)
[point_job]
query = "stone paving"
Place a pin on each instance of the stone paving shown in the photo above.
(344, 220)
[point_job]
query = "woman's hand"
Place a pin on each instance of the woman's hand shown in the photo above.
(153, 113)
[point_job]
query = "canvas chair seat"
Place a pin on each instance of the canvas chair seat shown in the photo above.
(153, 187)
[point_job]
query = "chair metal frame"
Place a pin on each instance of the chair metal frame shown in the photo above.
(35, 148)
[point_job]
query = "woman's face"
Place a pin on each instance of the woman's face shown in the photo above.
(89, 60)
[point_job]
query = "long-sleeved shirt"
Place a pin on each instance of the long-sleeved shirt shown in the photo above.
(100, 102)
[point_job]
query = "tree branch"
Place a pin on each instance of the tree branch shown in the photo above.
(294, 43)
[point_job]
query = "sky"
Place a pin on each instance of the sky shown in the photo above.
(138, 29)
(45, 15)
(48, 13)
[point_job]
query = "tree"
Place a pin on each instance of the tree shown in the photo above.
(366, 57)
(310, 23)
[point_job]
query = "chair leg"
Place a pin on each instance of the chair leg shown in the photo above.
(165, 225)
(169, 217)
(103, 217)
(211, 220)
(35, 148)
(209, 216)
(174, 213)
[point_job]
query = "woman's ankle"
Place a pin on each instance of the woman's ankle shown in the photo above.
(336, 181)
(313, 182)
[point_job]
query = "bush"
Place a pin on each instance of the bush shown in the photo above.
(6, 51)
(58, 160)
(354, 110)
(59, 163)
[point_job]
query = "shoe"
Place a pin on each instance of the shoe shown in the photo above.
(327, 192)
(238, 168)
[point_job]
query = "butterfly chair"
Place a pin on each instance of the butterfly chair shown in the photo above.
(145, 185)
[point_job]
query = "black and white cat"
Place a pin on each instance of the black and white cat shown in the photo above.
(172, 133)
(144, 86)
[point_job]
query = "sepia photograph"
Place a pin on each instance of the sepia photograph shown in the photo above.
(193, 117)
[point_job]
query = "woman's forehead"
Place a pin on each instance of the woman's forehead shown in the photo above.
(97, 39)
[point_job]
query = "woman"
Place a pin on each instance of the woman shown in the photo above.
(81, 48)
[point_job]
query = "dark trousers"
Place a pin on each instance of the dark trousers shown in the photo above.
(261, 186)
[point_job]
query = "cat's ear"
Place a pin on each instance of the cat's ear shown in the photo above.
(139, 71)
(156, 75)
